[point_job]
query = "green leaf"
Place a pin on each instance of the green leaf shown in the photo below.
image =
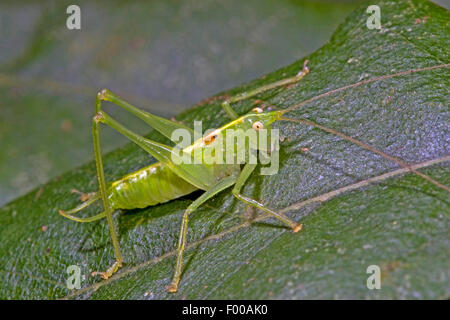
(358, 209)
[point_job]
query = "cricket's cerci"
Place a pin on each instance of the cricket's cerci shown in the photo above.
(173, 177)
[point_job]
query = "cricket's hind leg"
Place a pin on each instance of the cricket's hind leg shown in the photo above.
(159, 151)
(248, 94)
(108, 210)
(102, 194)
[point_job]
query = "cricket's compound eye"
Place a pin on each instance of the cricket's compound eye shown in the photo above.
(257, 125)
(210, 138)
(257, 110)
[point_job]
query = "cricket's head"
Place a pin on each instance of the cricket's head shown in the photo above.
(257, 119)
(259, 124)
(240, 137)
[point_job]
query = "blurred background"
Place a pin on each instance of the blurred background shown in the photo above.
(163, 56)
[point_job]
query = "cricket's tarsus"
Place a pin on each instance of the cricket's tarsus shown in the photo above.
(108, 273)
(297, 228)
(136, 189)
(305, 69)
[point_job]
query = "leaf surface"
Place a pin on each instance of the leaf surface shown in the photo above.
(397, 220)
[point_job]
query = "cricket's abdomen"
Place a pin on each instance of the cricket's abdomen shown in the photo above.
(148, 186)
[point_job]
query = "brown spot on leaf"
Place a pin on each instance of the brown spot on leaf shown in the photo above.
(66, 125)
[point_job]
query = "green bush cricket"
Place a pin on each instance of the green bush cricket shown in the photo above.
(168, 179)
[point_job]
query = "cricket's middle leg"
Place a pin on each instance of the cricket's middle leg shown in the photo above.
(245, 173)
(221, 185)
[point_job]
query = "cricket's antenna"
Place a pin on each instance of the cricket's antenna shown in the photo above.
(400, 162)
(360, 83)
